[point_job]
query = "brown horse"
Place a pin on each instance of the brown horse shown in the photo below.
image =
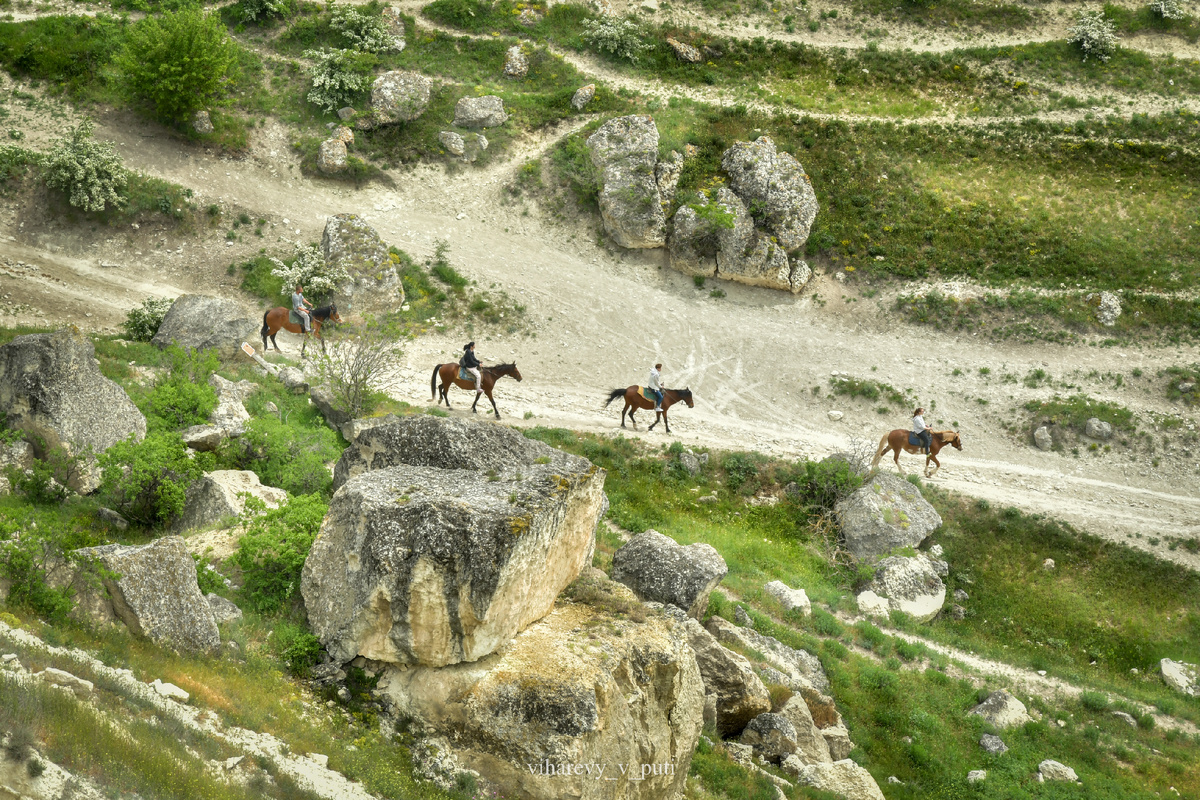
(449, 375)
(634, 401)
(897, 440)
(277, 318)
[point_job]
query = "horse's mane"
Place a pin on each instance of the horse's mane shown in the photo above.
(498, 367)
(322, 311)
(947, 436)
(681, 392)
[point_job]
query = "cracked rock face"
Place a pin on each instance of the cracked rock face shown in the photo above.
(656, 568)
(776, 185)
(419, 564)
(579, 687)
(624, 151)
(885, 514)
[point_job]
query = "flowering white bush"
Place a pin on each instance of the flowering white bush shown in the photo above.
(621, 37)
(1167, 9)
(337, 76)
(366, 32)
(254, 10)
(310, 271)
(1095, 35)
(90, 172)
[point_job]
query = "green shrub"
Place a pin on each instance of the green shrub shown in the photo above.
(45, 483)
(142, 323)
(209, 580)
(296, 647)
(29, 551)
(271, 553)
(624, 38)
(284, 455)
(90, 173)
(179, 62)
(259, 10)
(367, 32)
(182, 397)
(147, 481)
(739, 469)
(308, 268)
(1094, 701)
(338, 76)
(822, 484)
(358, 361)
(1094, 34)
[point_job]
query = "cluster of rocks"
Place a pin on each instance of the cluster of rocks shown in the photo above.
(1047, 435)
(765, 212)
(333, 156)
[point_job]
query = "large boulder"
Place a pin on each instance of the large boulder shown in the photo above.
(802, 668)
(221, 494)
(1050, 770)
(51, 389)
(911, 585)
(885, 514)
(747, 255)
(791, 599)
(656, 568)
(373, 285)
(771, 735)
(1180, 676)
(843, 778)
(200, 322)
(739, 694)
(479, 112)
(774, 181)
(1002, 710)
(581, 687)
(445, 443)
(624, 151)
(152, 589)
(811, 746)
(692, 248)
(424, 565)
(583, 95)
(397, 96)
(230, 415)
(332, 157)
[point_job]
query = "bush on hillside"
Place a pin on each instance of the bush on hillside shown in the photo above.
(272, 550)
(357, 362)
(45, 483)
(147, 481)
(287, 456)
(179, 62)
(90, 173)
(369, 33)
(1095, 34)
(182, 397)
(1167, 9)
(821, 484)
(338, 76)
(309, 269)
(142, 323)
(621, 37)
(296, 647)
(260, 10)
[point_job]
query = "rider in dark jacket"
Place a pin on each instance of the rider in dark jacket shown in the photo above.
(472, 364)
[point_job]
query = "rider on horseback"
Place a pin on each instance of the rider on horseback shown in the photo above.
(298, 305)
(471, 364)
(921, 430)
(654, 384)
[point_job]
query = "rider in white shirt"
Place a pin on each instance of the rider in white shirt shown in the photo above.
(921, 429)
(654, 383)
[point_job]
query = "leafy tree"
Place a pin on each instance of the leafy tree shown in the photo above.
(337, 76)
(142, 323)
(179, 62)
(147, 481)
(624, 38)
(1095, 34)
(310, 270)
(369, 33)
(272, 551)
(183, 397)
(89, 172)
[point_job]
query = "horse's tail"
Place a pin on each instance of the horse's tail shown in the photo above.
(613, 395)
(266, 328)
(433, 383)
(883, 446)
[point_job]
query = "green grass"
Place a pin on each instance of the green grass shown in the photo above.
(868, 389)
(1074, 411)
(951, 13)
(1143, 21)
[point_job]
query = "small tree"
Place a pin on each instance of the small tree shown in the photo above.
(89, 172)
(369, 33)
(256, 10)
(357, 362)
(1095, 34)
(310, 270)
(621, 37)
(179, 62)
(147, 481)
(1167, 9)
(337, 76)
(142, 323)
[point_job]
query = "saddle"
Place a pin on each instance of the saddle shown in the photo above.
(648, 393)
(463, 375)
(915, 440)
(295, 318)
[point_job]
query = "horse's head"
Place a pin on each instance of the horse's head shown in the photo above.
(334, 316)
(956, 442)
(686, 396)
(516, 373)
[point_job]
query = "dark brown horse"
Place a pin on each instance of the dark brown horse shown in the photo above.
(276, 319)
(634, 401)
(897, 440)
(449, 375)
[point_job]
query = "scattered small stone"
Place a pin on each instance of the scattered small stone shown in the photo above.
(452, 142)
(835, 415)
(516, 64)
(961, 596)
(169, 691)
(202, 123)
(937, 551)
(319, 758)
(1050, 770)
(1109, 309)
(976, 775)
(332, 157)
(991, 743)
(685, 52)
(1180, 676)
(271, 408)
(1048, 564)
(345, 114)
(112, 518)
(957, 613)
(1042, 438)
(1128, 719)
(583, 96)
(481, 141)
(1094, 428)
(892, 779)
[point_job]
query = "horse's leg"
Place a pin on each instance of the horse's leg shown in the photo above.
(446, 393)
(657, 417)
(896, 458)
(623, 410)
(937, 466)
(666, 424)
(632, 421)
(473, 409)
(489, 397)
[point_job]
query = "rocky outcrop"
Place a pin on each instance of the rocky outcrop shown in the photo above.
(799, 666)
(580, 687)
(433, 566)
(692, 248)
(220, 495)
(765, 178)
(18, 455)
(332, 157)
(445, 443)
(873, 605)
(747, 255)
(993, 744)
(811, 746)
(1002, 710)
(684, 51)
(658, 569)
(1096, 428)
(152, 589)
(230, 416)
(885, 514)
(666, 176)
(479, 112)
(1180, 676)
(739, 694)
(771, 735)
(224, 611)
(373, 285)
(397, 96)
(843, 778)
(911, 585)
(516, 63)
(52, 391)
(583, 95)
(200, 322)
(791, 599)
(625, 151)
